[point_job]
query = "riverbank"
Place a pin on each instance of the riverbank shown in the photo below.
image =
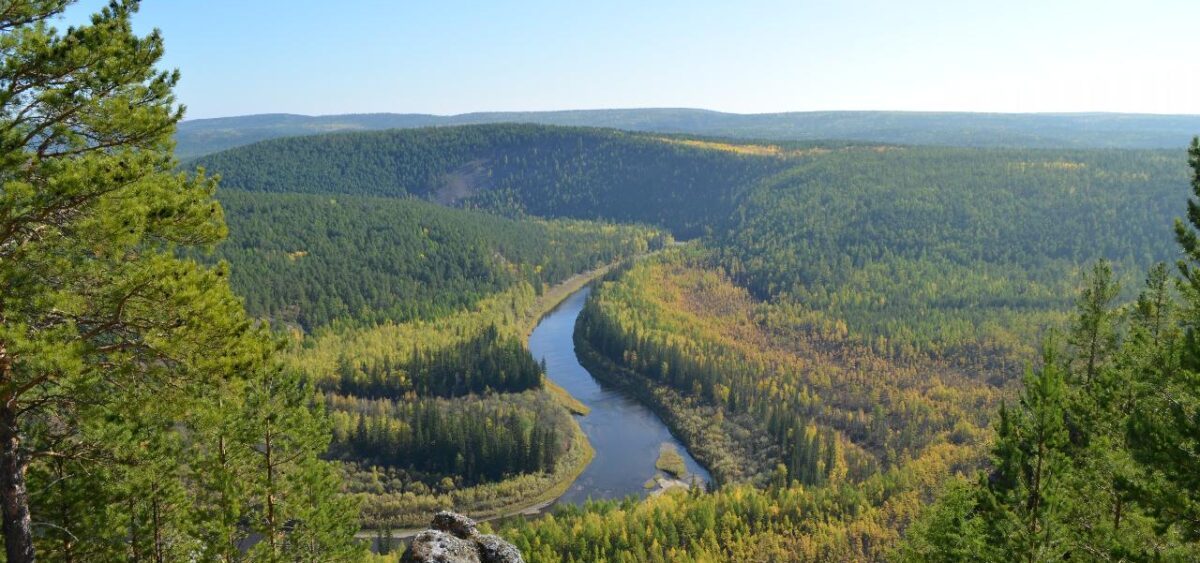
(627, 430)
(627, 436)
(563, 478)
(650, 395)
(546, 303)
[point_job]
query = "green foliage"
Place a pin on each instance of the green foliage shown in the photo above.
(487, 362)
(964, 254)
(196, 137)
(476, 441)
(847, 522)
(1165, 430)
(751, 385)
(851, 362)
(1026, 492)
(311, 260)
(449, 412)
(476, 454)
(122, 366)
(1099, 462)
(545, 171)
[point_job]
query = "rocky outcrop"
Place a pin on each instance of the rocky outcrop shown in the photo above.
(454, 539)
(492, 549)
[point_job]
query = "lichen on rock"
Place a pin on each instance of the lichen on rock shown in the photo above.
(455, 539)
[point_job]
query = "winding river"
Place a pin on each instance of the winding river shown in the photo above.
(625, 434)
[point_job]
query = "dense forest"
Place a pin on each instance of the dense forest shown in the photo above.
(438, 392)
(1108, 415)
(445, 412)
(486, 362)
(824, 409)
(310, 260)
(473, 441)
(859, 346)
(788, 348)
(1096, 459)
(950, 252)
(823, 351)
(880, 352)
(1081, 130)
(515, 169)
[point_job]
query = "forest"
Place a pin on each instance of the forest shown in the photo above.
(517, 170)
(311, 260)
(198, 137)
(879, 351)
(790, 350)
(769, 381)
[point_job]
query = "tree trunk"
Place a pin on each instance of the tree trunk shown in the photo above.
(14, 498)
(271, 529)
(64, 515)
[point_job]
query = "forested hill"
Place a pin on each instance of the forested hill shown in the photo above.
(934, 250)
(1081, 130)
(547, 171)
(917, 249)
(955, 203)
(311, 259)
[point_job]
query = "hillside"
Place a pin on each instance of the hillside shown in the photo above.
(847, 344)
(1079, 130)
(309, 260)
(514, 169)
(407, 317)
(846, 322)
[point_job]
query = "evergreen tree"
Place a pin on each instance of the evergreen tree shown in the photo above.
(1024, 496)
(295, 502)
(1101, 465)
(1165, 429)
(1093, 335)
(115, 353)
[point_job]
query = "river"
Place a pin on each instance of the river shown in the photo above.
(625, 434)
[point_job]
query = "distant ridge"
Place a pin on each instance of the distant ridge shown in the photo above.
(1030, 130)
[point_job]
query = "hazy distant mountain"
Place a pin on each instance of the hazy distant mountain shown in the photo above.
(1079, 130)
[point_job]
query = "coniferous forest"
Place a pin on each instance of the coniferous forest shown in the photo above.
(879, 351)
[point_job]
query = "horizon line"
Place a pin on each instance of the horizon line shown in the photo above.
(696, 109)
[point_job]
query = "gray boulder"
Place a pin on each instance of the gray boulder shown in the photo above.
(436, 546)
(492, 549)
(454, 539)
(456, 524)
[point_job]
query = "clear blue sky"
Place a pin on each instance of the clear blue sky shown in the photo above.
(748, 56)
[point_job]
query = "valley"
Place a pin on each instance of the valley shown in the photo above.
(839, 330)
(612, 335)
(624, 433)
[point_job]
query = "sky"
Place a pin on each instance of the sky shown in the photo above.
(317, 57)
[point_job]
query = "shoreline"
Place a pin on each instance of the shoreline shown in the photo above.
(551, 298)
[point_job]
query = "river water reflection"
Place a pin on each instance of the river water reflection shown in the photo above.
(625, 434)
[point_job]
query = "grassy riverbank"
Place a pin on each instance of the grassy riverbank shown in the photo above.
(546, 303)
(523, 494)
(699, 429)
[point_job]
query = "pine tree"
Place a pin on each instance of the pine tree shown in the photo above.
(1093, 335)
(95, 309)
(1023, 498)
(115, 353)
(295, 500)
(1164, 430)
